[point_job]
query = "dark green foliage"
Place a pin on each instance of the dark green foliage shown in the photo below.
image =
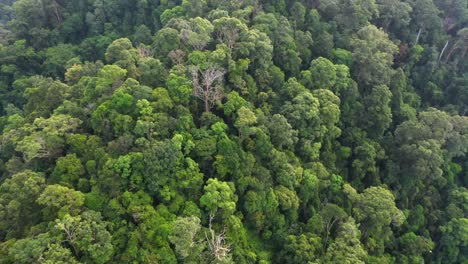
(216, 131)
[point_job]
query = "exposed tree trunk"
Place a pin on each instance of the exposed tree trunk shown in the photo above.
(417, 37)
(328, 229)
(442, 52)
(207, 104)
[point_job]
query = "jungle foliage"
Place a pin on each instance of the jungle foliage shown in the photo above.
(228, 131)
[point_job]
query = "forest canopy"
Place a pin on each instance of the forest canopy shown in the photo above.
(216, 131)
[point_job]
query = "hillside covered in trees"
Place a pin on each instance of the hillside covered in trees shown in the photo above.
(234, 131)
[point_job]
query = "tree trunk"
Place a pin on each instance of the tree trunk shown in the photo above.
(207, 103)
(417, 37)
(442, 52)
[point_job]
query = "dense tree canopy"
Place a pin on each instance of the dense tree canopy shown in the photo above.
(216, 131)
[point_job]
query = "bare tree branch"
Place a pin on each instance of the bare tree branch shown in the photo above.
(217, 242)
(207, 86)
(177, 56)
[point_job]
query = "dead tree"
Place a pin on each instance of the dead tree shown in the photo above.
(207, 85)
(177, 56)
(217, 243)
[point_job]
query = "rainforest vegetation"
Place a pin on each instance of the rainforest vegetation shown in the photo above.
(234, 131)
